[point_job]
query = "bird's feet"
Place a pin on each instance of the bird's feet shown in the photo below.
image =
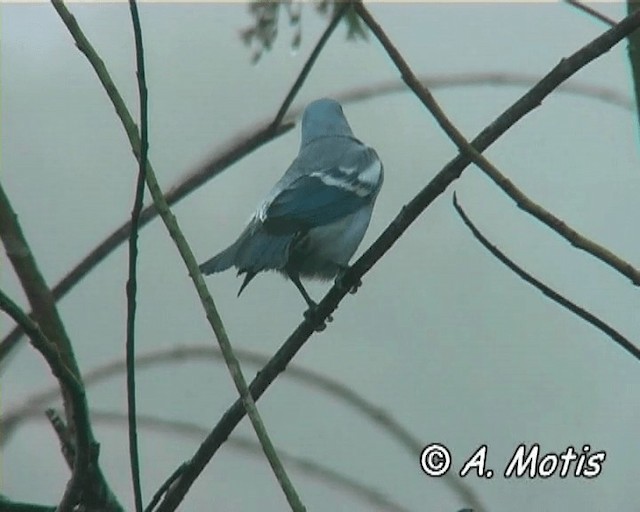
(339, 282)
(311, 315)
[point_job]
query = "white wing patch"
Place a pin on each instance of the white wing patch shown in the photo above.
(356, 187)
(371, 175)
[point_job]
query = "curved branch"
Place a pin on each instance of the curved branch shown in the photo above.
(559, 226)
(556, 297)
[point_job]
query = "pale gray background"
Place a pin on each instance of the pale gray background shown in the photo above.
(440, 335)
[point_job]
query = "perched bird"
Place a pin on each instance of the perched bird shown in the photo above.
(314, 218)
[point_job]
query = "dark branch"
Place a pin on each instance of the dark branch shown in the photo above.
(132, 282)
(556, 297)
(591, 12)
(559, 226)
(190, 262)
(306, 69)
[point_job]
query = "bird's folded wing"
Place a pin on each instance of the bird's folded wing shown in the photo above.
(326, 195)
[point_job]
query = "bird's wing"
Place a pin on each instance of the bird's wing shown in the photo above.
(325, 195)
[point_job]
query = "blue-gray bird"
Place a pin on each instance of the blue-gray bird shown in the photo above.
(314, 218)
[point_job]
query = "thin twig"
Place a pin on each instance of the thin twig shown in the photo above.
(592, 12)
(556, 297)
(386, 240)
(190, 262)
(132, 286)
(86, 475)
(157, 496)
(245, 143)
(67, 444)
(75, 402)
(559, 226)
(306, 69)
(546, 217)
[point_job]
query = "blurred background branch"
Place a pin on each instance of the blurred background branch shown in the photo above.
(246, 142)
(15, 416)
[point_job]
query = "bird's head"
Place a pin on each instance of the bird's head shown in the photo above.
(324, 118)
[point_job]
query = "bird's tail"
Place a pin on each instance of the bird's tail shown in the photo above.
(221, 261)
(253, 252)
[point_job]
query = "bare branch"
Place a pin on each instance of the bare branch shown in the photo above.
(556, 297)
(306, 466)
(132, 283)
(306, 69)
(405, 218)
(591, 12)
(314, 470)
(567, 232)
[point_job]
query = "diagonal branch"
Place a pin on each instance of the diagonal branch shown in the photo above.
(409, 213)
(314, 470)
(306, 69)
(559, 226)
(575, 238)
(556, 297)
(591, 12)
